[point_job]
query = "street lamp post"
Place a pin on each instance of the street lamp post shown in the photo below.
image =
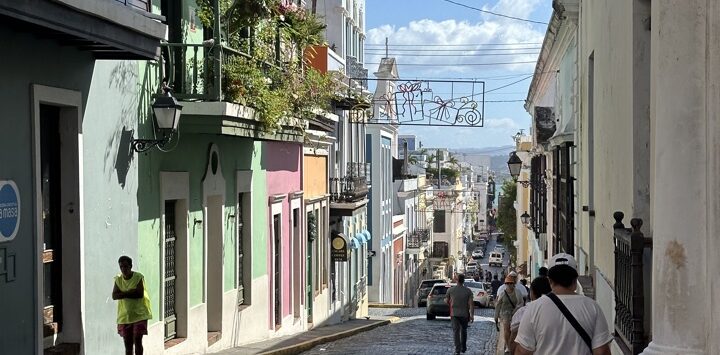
(515, 165)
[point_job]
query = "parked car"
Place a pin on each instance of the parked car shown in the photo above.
(436, 305)
(424, 290)
(496, 259)
(481, 296)
(500, 248)
(478, 254)
(471, 268)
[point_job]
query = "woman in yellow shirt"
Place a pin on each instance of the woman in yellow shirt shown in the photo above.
(133, 309)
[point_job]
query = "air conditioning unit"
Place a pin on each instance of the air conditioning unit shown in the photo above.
(542, 242)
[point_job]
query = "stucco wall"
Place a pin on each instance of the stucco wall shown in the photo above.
(109, 181)
(604, 33)
(282, 164)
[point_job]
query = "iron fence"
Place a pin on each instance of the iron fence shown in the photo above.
(630, 244)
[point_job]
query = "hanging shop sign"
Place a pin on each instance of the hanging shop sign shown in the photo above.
(338, 248)
(9, 210)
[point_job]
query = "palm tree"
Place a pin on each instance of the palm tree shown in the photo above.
(452, 160)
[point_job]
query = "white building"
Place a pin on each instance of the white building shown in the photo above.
(348, 170)
(381, 142)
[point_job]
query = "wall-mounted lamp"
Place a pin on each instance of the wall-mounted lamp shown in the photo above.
(525, 218)
(166, 111)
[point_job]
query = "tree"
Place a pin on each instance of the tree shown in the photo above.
(506, 219)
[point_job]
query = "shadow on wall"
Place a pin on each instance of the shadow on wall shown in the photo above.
(124, 156)
(135, 95)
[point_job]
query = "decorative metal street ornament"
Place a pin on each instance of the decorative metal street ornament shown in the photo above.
(445, 103)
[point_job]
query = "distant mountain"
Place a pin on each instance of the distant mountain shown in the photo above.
(492, 151)
(498, 157)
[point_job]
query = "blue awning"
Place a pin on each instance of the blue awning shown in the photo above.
(361, 237)
(367, 234)
(354, 243)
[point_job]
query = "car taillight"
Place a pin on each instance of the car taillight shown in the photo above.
(481, 293)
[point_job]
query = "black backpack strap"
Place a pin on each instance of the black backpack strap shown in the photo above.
(566, 312)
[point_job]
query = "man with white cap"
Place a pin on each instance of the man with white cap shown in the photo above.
(563, 322)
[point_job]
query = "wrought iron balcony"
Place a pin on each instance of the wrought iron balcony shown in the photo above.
(413, 241)
(424, 234)
(194, 73)
(353, 187)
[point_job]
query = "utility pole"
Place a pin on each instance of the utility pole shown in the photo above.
(386, 48)
(439, 168)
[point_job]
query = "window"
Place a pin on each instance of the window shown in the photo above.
(169, 279)
(439, 221)
(277, 236)
(563, 201)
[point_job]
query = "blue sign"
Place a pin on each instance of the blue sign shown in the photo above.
(9, 210)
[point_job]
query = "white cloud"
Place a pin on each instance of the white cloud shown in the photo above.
(491, 29)
(501, 124)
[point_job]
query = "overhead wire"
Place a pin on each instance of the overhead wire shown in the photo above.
(494, 13)
(458, 64)
(451, 45)
(453, 55)
(397, 50)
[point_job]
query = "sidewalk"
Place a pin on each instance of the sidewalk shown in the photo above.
(294, 344)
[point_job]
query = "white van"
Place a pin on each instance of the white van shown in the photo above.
(496, 259)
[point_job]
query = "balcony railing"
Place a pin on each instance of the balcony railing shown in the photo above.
(139, 4)
(353, 187)
(629, 283)
(424, 234)
(413, 241)
(194, 73)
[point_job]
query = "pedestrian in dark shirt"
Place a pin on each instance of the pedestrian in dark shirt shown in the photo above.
(460, 300)
(495, 284)
(543, 272)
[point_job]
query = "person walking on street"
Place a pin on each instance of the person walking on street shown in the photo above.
(508, 301)
(133, 310)
(518, 286)
(538, 287)
(462, 312)
(543, 272)
(495, 284)
(563, 322)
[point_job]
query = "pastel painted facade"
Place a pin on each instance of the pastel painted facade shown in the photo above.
(64, 144)
(316, 167)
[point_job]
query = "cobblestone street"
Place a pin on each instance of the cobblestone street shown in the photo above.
(413, 334)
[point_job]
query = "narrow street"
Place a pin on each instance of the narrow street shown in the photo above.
(413, 334)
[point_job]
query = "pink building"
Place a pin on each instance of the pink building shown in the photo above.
(285, 243)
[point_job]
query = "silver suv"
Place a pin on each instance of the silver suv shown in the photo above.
(424, 290)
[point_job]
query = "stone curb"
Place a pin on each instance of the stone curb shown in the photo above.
(309, 344)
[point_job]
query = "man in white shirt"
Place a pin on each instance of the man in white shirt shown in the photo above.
(518, 286)
(545, 330)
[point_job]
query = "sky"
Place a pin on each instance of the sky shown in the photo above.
(430, 32)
